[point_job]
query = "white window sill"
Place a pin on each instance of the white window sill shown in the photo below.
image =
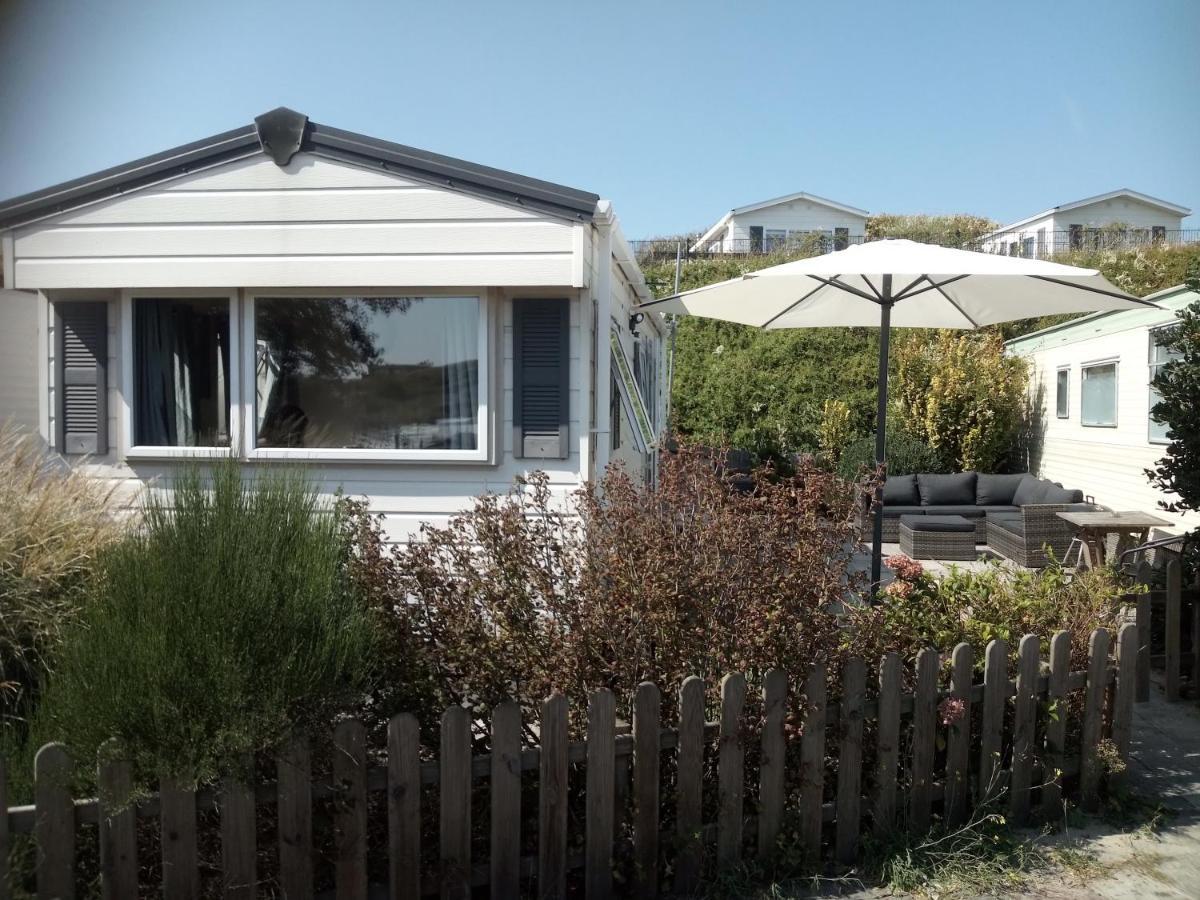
(179, 453)
(329, 454)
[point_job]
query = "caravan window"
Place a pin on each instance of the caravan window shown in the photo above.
(1098, 395)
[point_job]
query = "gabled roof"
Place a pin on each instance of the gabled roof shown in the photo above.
(1158, 297)
(282, 133)
(763, 204)
(1099, 198)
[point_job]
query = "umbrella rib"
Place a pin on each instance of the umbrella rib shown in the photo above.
(908, 287)
(833, 282)
(794, 305)
(932, 286)
(950, 300)
(1094, 290)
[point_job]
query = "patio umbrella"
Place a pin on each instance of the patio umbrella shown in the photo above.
(905, 284)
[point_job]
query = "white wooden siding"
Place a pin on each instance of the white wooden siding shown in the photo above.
(315, 222)
(1107, 463)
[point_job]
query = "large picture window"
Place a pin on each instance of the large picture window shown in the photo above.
(1098, 401)
(368, 373)
(181, 377)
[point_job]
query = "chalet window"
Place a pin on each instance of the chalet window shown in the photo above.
(1098, 395)
(841, 238)
(1062, 394)
(774, 239)
(756, 238)
(181, 371)
(369, 374)
(1158, 233)
(1160, 355)
(1041, 243)
(1028, 247)
(1075, 236)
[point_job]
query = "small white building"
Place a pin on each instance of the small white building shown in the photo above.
(762, 227)
(412, 328)
(1120, 218)
(1090, 383)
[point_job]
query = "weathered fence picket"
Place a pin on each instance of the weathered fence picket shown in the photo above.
(238, 836)
(771, 762)
(958, 737)
(181, 874)
(1174, 631)
(730, 772)
(1056, 723)
(294, 803)
(689, 785)
(577, 822)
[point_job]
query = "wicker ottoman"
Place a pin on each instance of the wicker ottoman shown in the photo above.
(937, 537)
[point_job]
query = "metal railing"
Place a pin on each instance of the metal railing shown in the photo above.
(691, 247)
(1046, 245)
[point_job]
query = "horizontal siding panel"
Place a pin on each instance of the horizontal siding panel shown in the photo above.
(512, 270)
(335, 205)
(304, 172)
(295, 238)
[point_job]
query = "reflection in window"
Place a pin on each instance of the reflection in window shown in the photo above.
(1062, 398)
(181, 372)
(1160, 355)
(375, 373)
(1098, 400)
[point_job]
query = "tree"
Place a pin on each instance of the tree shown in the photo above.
(1178, 386)
(962, 395)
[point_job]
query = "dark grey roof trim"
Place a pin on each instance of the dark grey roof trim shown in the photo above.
(321, 140)
(140, 173)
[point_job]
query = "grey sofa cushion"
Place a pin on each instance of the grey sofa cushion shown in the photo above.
(937, 523)
(901, 490)
(1010, 522)
(997, 490)
(894, 512)
(947, 490)
(1030, 490)
(1055, 494)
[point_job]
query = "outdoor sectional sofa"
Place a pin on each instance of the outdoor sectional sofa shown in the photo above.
(1016, 515)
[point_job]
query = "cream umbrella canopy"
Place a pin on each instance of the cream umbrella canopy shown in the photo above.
(899, 284)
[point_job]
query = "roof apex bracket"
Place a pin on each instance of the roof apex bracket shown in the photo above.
(281, 133)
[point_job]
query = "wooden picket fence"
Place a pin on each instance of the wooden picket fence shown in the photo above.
(1006, 747)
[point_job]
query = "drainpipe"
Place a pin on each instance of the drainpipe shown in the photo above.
(603, 223)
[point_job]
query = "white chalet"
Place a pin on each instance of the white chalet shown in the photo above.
(412, 328)
(762, 227)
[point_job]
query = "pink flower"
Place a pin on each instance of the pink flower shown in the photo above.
(905, 568)
(951, 710)
(899, 589)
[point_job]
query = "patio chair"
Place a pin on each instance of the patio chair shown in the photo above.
(1029, 536)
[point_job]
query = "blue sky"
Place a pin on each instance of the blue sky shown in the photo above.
(676, 112)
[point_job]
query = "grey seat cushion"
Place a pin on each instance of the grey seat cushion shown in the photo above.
(971, 512)
(1010, 522)
(894, 512)
(948, 524)
(901, 490)
(947, 490)
(997, 490)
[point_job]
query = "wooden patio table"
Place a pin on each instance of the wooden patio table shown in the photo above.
(1131, 528)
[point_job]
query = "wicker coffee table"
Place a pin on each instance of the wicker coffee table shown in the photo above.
(937, 537)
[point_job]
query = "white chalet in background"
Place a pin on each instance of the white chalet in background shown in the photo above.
(412, 328)
(761, 227)
(1120, 218)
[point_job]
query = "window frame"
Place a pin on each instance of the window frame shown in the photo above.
(1095, 364)
(1151, 366)
(1061, 370)
(482, 451)
(132, 450)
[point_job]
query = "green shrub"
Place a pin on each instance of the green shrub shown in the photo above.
(996, 602)
(223, 624)
(906, 455)
(54, 521)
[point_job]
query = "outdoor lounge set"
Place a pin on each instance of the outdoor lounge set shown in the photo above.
(937, 516)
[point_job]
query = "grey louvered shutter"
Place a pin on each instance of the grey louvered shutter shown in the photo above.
(82, 329)
(540, 378)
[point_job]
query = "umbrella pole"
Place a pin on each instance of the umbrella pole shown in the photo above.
(885, 329)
